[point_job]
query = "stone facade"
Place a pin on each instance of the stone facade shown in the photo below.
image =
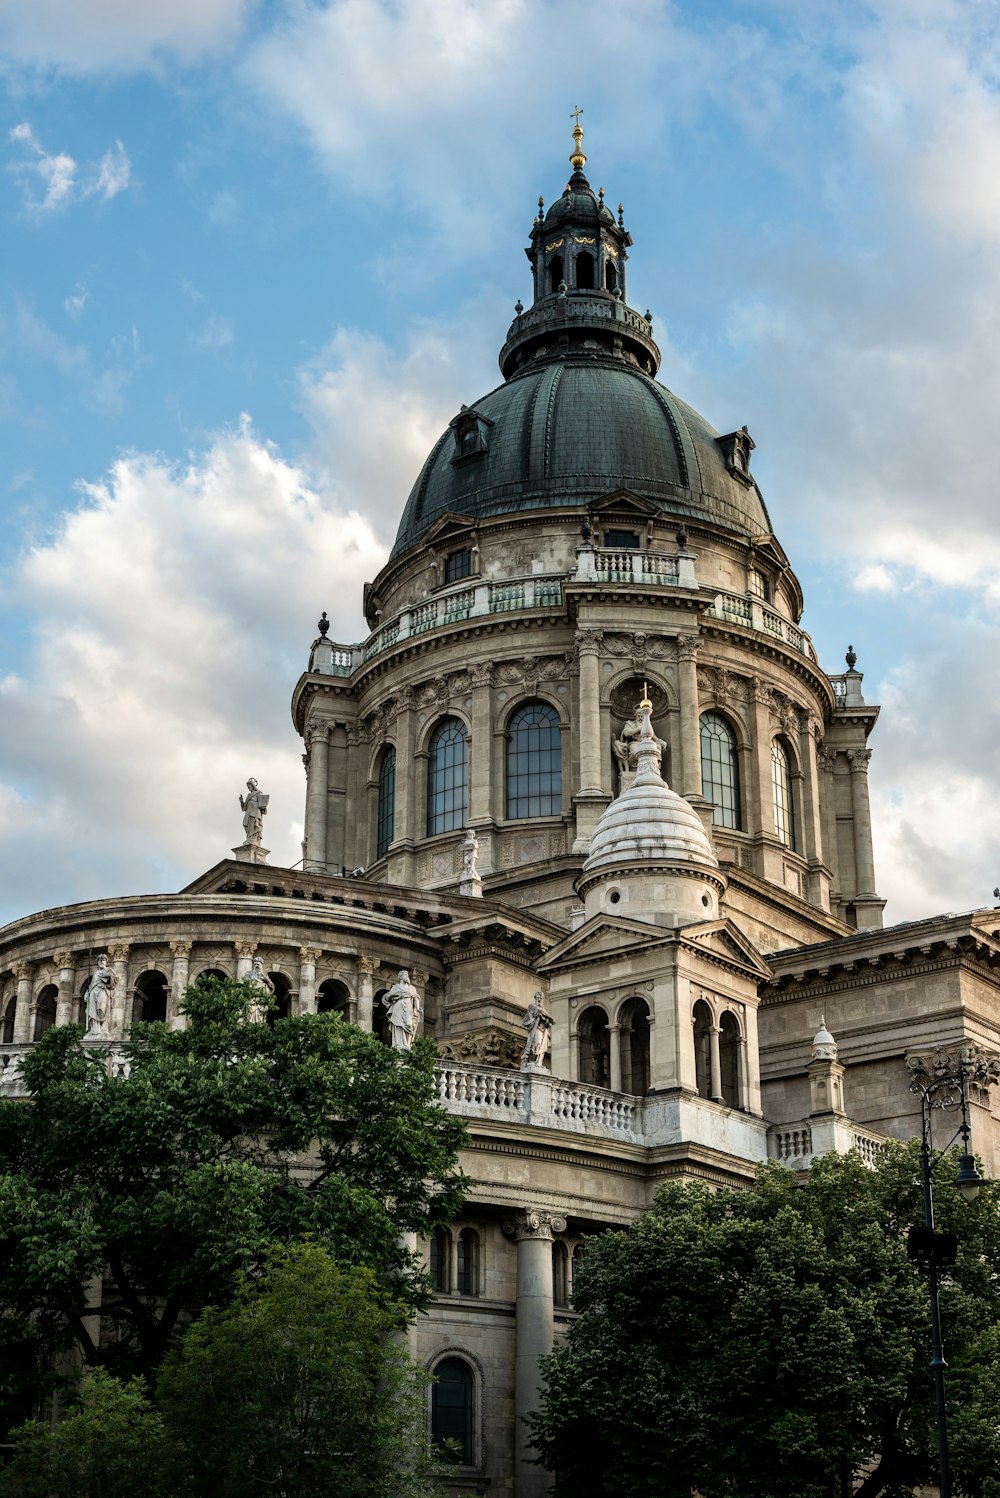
(720, 987)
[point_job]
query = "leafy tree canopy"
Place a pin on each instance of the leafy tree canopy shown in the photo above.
(299, 1386)
(173, 1173)
(775, 1343)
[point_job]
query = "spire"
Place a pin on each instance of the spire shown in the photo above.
(577, 159)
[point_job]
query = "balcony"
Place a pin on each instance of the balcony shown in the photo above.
(735, 608)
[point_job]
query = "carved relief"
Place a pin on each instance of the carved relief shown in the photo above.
(489, 1048)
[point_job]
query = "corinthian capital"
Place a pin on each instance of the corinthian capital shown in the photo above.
(63, 960)
(687, 647)
(858, 759)
(588, 642)
(318, 733)
(368, 965)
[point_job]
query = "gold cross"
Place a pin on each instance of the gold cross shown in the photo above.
(575, 115)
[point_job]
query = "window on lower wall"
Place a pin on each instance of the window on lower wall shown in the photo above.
(447, 778)
(452, 1411)
(784, 806)
(386, 816)
(720, 776)
(440, 1256)
(534, 762)
(457, 564)
(467, 1267)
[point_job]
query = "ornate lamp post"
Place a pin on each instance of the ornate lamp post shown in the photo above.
(940, 1080)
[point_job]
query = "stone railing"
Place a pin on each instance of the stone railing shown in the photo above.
(869, 1145)
(736, 608)
(534, 1097)
(11, 1080)
(798, 1144)
(634, 565)
(789, 1142)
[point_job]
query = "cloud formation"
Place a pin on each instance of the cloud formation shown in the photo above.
(82, 36)
(173, 610)
(62, 180)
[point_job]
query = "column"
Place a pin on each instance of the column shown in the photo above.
(244, 959)
(864, 855)
(367, 967)
(715, 1064)
(828, 806)
(308, 958)
(687, 691)
(588, 644)
(616, 1058)
(481, 747)
(316, 798)
(180, 951)
(818, 889)
(67, 972)
(24, 1017)
(121, 1014)
(533, 1332)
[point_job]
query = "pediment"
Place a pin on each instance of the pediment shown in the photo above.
(622, 502)
(447, 527)
(725, 942)
(604, 937)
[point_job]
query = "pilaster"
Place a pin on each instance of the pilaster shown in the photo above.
(118, 956)
(591, 798)
(367, 968)
(180, 951)
(308, 958)
(317, 773)
(66, 967)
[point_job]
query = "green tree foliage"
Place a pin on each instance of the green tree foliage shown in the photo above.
(299, 1387)
(775, 1343)
(221, 1139)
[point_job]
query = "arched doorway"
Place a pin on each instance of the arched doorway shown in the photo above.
(594, 1039)
(634, 1021)
(333, 997)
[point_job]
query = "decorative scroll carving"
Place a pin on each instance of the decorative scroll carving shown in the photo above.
(489, 1047)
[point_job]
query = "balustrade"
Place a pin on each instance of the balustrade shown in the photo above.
(735, 608)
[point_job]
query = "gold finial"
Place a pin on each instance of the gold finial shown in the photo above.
(577, 159)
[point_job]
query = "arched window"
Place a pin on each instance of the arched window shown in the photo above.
(610, 275)
(702, 1017)
(467, 1267)
(729, 1059)
(578, 1254)
(595, 1048)
(534, 762)
(452, 1409)
(385, 821)
(555, 273)
(634, 1022)
(333, 997)
(440, 1257)
(560, 1273)
(9, 1018)
(447, 778)
(282, 1006)
(584, 271)
(45, 1010)
(784, 806)
(150, 1000)
(720, 775)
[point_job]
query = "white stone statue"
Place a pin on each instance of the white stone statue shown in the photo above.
(260, 979)
(100, 997)
(403, 1004)
(254, 808)
(539, 1027)
(624, 747)
(470, 853)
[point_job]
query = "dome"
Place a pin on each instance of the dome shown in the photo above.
(565, 430)
(647, 822)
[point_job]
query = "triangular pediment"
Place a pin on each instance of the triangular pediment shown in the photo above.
(622, 502)
(447, 527)
(605, 937)
(725, 942)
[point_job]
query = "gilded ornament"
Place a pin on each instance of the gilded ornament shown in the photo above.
(556, 244)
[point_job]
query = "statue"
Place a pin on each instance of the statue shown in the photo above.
(539, 1027)
(624, 746)
(470, 853)
(254, 808)
(403, 1004)
(100, 996)
(260, 980)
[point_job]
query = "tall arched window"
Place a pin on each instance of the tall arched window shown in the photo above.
(729, 1059)
(720, 774)
(702, 1017)
(555, 273)
(610, 275)
(440, 1261)
(784, 806)
(467, 1264)
(9, 1019)
(385, 820)
(585, 271)
(151, 991)
(634, 1020)
(447, 778)
(560, 1273)
(452, 1409)
(595, 1047)
(534, 762)
(45, 1010)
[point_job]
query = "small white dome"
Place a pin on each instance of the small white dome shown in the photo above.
(648, 822)
(824, 1047)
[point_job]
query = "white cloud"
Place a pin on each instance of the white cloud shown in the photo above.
(216, 334)
(81, 36)
(875, 578)
(173, 611)
(60, 175)
(77, 300)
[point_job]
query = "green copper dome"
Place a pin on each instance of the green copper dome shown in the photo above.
(581, 414)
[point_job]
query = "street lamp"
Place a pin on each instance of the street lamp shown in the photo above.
(940, 1081)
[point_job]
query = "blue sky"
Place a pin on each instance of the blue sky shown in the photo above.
(256, 256)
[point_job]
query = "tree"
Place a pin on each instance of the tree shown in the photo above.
(299, 1387)
(171, 1175)
(774, 1343)
(304, 1379)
